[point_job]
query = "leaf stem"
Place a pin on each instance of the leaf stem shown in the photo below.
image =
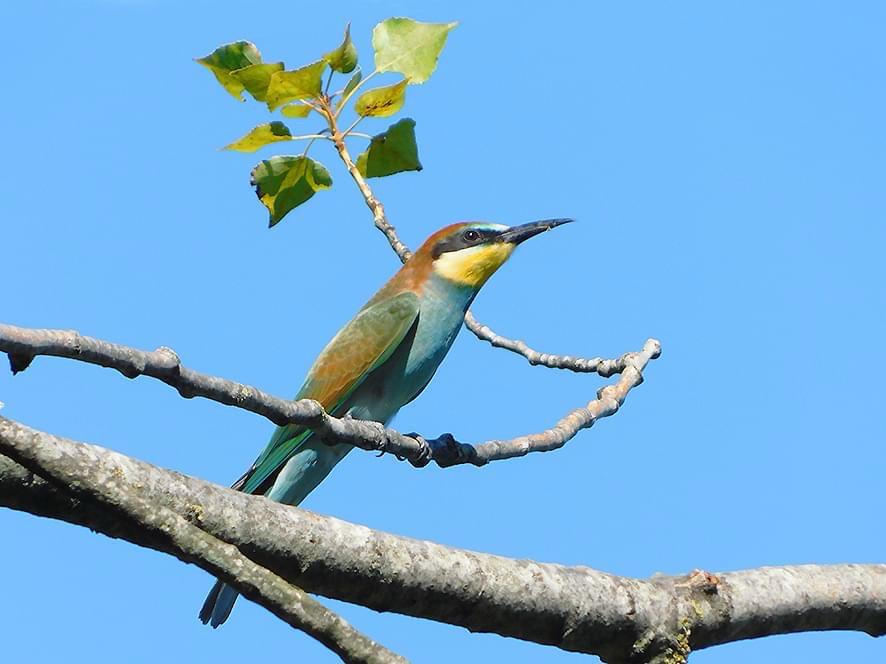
(344, 100)
(313, 107)
(308, 147)
(347, 132)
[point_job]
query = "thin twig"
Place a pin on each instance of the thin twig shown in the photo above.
(609, 400)
(375, 206)
(595, 365)
(46, 457)
(24, 344)
(481, 331)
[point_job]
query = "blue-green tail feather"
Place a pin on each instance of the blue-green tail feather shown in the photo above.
(218, 605)
(311, 461)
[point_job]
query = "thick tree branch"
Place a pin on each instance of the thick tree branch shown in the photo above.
(23, 344)
(621, 619)
(104, 485)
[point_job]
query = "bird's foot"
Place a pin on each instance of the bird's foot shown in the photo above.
(424, 455)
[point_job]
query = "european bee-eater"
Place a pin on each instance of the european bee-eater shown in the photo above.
(381, 360)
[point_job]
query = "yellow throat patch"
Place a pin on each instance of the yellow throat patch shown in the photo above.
(472, 267)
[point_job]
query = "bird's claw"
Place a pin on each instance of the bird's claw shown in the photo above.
(425, 454)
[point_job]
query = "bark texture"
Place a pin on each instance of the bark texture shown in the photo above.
(24, 344)
(575, 608)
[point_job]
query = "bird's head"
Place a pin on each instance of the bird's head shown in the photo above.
(469, 253)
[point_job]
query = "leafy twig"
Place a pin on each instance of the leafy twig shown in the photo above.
(375, 206)
(481, 331)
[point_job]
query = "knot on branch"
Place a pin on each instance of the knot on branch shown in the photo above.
(311, 411)
(695, 602)
(166, 362)
(18, 362)
(447, 451)
(654, 348)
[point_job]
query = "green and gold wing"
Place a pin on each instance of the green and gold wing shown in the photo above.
(359, 348)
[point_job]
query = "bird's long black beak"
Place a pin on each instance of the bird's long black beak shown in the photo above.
(517, 234)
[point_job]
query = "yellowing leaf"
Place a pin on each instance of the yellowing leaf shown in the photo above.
(302, 83)
(409, 47)
(230, 57)
(264, 134)
(256, 78)
(283, 183)
(296, 111)
(344, 58)
(382, 102)
(392, 151)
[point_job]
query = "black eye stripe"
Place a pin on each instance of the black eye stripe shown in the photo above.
(469, 237)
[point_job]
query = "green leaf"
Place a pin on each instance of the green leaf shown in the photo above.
(296, 111)
(409, 47)
(352, 83)
(392, 151)
(382, 102)
(256, 78)
(283, 183)
(344, 58)
(231, 57)
(302, 83)
(264, 134)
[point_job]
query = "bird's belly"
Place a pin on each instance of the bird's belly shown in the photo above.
(384, 392)
(379, 403)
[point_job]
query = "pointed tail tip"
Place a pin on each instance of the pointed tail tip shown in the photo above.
(205, 615)
(218, 605)
(208, 607)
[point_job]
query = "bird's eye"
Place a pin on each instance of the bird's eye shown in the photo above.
(470, 236)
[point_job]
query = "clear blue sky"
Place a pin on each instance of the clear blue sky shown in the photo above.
(726, 162)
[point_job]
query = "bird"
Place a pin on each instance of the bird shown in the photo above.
(381, 360)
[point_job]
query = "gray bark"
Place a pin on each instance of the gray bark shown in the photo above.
(24, 344)
(575, 608)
